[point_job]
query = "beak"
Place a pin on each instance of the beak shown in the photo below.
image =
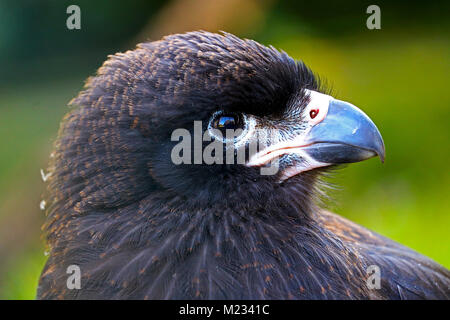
(345, 135)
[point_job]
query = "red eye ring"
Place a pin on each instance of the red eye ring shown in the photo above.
(313, 113)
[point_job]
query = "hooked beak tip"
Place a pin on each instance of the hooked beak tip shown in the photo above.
(382, 154)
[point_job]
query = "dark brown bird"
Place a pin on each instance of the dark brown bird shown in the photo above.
(144, 214)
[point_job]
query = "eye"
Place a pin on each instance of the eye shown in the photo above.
(313, 113)
(232, 125)
(224, 121)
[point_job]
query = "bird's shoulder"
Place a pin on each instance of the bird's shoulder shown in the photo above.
(405, 274)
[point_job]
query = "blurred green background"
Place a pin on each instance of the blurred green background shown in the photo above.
(398, 75)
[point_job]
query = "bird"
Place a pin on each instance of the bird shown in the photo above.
(136, 206)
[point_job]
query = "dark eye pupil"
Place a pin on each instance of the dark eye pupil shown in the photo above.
(226, 122)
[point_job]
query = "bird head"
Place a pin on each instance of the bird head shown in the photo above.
(199, 152)
(209, 118)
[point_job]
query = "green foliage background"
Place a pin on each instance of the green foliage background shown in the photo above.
(398, 75)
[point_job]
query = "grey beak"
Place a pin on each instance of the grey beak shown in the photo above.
(345, 135)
